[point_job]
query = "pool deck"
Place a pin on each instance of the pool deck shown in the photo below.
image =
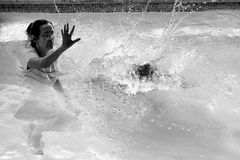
(72, 6)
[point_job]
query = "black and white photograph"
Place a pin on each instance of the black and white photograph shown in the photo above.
(119, 79)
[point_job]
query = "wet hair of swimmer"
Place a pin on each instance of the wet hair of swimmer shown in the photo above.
(33, 30)
(144, 71)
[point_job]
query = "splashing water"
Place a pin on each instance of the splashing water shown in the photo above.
(188, 110)
(169, 61)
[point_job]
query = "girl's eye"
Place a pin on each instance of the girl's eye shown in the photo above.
(47, 35)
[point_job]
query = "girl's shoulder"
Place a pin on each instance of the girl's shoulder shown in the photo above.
(26, 56)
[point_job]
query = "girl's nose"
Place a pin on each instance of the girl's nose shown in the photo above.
(51, 36)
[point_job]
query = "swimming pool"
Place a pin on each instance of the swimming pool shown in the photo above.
(190, 112)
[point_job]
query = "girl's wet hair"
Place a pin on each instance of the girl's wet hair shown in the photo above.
(33, 30)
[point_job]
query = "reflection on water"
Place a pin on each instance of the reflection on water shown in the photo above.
(189, 110)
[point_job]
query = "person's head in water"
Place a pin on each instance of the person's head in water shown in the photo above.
(40, 34)
(144, 71)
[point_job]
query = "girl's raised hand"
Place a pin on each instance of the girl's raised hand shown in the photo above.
(67, 37)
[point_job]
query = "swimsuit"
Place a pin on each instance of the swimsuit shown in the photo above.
(46, 75)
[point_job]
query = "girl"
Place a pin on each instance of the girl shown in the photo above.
(47, 111)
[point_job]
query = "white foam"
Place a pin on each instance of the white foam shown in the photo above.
(111, 45)
(100, 156)
(59, 152)
(13, 32)
(212, 31)
(158, 31)
(199, 30)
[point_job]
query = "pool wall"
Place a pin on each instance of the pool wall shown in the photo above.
(68, 6)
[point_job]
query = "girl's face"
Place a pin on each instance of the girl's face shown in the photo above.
(46, 39)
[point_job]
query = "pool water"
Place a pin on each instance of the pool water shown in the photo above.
(190, 110)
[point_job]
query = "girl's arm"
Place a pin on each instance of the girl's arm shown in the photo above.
(67, 42)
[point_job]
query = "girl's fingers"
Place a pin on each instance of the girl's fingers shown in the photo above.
(72, 30)
(76, 40)
(64, 28)
(67, 27)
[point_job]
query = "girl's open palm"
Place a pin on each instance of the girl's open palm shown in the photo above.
(67, 37)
